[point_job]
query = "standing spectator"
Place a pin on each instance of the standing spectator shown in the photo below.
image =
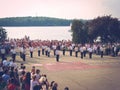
(66, 88)
(55, 85)
(11, 85)
(6, 76)
(27, 80)
(34, 84)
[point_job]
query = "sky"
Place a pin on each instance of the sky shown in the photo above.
(66, 9)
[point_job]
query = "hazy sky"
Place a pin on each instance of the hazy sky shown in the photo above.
(67, 9)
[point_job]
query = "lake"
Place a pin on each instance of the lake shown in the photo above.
(43, 33)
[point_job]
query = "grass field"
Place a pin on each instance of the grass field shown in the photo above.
(76, 73)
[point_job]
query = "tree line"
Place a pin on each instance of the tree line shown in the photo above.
(105, 28)
(34, 21)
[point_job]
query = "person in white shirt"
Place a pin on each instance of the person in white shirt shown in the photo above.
(64, 49)
(48, 51)
(54, 48)
(13, 51)
(76, 51)
(84, 51)
(43, 49)
(90, 50)
(38, 50)
(24, 54)
(70, 49)
(81, 52)
(31, 51)
(101, 51)
(57, 55)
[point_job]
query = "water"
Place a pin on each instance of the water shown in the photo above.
(43, 33)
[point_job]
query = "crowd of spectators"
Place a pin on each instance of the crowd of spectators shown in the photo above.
(16, 77)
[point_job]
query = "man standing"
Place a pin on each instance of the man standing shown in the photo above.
(70, 49)
(31, 51)
(43, 49)
(76, 51)
(90, 50)
(38, 50)
(81, 52)
(24, 54)
(101, 51)
(57, 54)
(13, 51)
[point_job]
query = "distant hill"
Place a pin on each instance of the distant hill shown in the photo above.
(34, 21)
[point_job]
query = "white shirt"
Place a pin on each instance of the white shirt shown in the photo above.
(32, 84)
(31, 49)
(90, 49)
(81, 49)
(57, 52)
(2, 51)
(13, 51)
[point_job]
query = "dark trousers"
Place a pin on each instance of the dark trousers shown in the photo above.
(43, 51)
(76, 53)
(101, 54)
(48, 54)
(63, 52)
(23, 57)
(70, 52)
(54, 52)
(3, 56)
(20, 54)
(90, 55)
(84, 53)
(38, 52)
(57, 58)
(13, 57)
(31, 54)
(81, 55)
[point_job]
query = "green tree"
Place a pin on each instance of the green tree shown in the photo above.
(106, 27)
(78, 32)
(3, 34)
